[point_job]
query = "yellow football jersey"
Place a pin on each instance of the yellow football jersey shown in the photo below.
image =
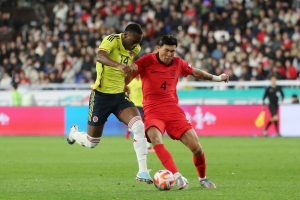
(136, 93)
(110, 79)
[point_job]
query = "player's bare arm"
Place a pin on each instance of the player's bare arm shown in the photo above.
(128, 78)
(200, 74)
(127, 90)
(103, 57)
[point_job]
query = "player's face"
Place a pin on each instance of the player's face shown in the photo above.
(166, 53)
(131, 40)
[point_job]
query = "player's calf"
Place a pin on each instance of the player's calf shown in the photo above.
(140, 146)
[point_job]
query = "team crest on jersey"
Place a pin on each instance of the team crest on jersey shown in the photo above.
(95, 119)
(173, 73)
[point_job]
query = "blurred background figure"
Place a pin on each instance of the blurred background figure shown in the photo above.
(28, 98)
(16, 96)
(272, 93)
(295, 99)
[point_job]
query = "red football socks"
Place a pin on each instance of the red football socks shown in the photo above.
(200, 164)
(165, 158)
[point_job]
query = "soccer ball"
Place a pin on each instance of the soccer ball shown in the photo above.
(164, 179)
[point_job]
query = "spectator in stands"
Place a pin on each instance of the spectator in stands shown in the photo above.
(291, 72)
(60, 10)
(296, 62)
(68, 74)
(264, 32)
(5, 80)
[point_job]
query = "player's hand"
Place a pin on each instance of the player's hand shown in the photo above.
(134, 67)
(127, 90)
(225, 78)
(126, 69)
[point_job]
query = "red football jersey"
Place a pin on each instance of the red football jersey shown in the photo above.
(159, 80)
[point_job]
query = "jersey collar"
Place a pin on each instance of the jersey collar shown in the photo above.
(158, 59)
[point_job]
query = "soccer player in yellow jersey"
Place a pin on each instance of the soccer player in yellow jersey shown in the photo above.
(114, 58)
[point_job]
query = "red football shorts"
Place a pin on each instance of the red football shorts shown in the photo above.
(170, 120)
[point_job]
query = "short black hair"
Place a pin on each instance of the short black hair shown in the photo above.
(295, 95)
(134, 27)
(167, 40)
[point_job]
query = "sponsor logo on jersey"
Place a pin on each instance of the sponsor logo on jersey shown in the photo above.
(157, 72)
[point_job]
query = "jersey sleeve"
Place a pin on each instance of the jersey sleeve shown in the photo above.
(108, 43)
(265, 95)
(186, 68)
(282, 94)
(141, 65)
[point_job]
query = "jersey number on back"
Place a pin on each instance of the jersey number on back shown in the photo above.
(124, 60)
(164, 85)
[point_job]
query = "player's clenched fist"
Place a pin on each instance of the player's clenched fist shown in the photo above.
(224, 77)
(126, 69)
(134, 67)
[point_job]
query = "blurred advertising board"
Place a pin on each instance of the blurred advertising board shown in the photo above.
(79, 115)
(32, 120)
(229, 120)
(207, 120)
(290, 120)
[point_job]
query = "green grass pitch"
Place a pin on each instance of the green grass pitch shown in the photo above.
(242, 168)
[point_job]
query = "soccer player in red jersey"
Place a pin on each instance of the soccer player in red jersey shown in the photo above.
(159, 73)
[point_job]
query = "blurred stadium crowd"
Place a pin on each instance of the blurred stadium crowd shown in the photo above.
(249, 40)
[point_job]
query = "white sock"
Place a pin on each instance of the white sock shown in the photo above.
(148, 145)
(83, 139)
(139, 142)
(141, 153)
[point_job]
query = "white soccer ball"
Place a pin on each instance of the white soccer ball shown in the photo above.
(164, 179)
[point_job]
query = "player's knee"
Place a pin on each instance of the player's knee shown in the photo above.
(155, 136)
(137, 126)
(197, 150)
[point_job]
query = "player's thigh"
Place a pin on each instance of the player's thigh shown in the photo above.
(190, 139)
(273, 110)
(141, 111)
(177, 124)
(100, 107)
(154, 135)
(154, 128)
(125, 110)
(275, 117)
